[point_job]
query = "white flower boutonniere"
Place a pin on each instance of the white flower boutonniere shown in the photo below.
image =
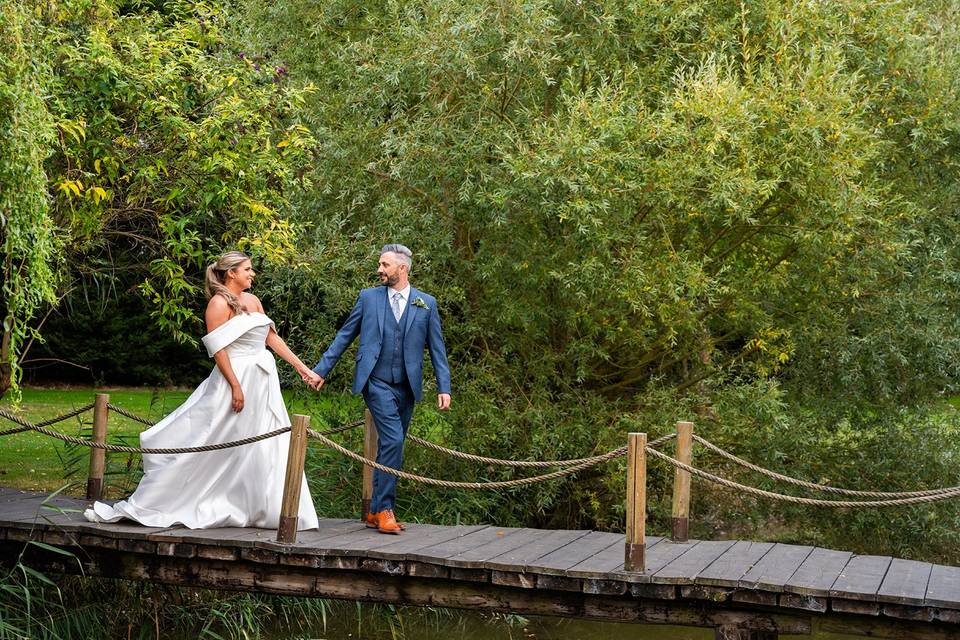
(419, 302)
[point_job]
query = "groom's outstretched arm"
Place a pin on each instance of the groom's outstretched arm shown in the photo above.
(348, 332)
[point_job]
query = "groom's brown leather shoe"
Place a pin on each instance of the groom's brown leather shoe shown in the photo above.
(386, 522)
(371, 521)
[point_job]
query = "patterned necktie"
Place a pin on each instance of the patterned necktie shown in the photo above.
(396, 306)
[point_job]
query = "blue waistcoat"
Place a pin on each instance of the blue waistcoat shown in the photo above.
(389, 365)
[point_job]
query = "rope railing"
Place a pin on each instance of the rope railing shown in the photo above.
(820, 487)
(539, 464)
(635, 453)
(47, 423)
(499, 484)
(124, 449)
(843, 504)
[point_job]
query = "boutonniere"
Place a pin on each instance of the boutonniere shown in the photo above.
(419, 302)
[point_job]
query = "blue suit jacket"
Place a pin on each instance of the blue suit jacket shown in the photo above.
(367, 320)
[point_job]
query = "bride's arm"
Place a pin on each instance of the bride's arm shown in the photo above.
(279, 347)
(218, 312)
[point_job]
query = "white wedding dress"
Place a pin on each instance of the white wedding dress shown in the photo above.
(237, 487)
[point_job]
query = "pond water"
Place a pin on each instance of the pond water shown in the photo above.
(406, 623)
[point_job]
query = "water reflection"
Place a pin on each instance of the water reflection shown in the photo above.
(363, 622)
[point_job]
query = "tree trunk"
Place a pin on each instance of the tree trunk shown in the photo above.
(5, 370)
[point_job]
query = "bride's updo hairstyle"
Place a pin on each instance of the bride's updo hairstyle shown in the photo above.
(216, 283)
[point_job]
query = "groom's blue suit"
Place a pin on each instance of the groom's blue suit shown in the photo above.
(389, 371)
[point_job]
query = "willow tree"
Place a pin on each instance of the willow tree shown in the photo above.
(31, 248)
(626, 206)
(169, 146)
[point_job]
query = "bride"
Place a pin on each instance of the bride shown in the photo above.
(237, 487)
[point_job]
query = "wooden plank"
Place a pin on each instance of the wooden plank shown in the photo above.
(601, 565)
(314, 542)
(943, 589)
(817, 573)
(727, 570)
(658, 556)
(444, 551)
(540, 544)
(363, 542)
(776, 567)
(861, 578)
(400, 547)
(227, 536)
(476, 557)
(905, 582)
(688, 565)
(558, 561)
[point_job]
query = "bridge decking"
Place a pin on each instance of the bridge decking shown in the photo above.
(469, 563)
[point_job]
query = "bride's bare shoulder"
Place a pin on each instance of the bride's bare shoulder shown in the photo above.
(218, 311)
(251, 302)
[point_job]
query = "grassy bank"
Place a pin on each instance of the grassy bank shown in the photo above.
(36, 462)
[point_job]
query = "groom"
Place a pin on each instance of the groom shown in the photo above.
(395, 323)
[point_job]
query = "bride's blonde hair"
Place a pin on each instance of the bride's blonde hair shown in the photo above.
(216, 283)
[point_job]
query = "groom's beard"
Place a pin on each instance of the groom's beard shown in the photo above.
(389, 281)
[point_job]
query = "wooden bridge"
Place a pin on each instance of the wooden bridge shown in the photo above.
(743, 589)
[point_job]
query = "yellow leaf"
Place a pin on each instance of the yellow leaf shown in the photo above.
(282, 144)
(96, 165)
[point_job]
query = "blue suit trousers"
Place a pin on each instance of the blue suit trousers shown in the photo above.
(391, 405)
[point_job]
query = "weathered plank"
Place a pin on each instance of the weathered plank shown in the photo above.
(861, 578)
(817, 573)
(476, 557)
(776, 567)
(658, 556)
(539, 545)
(687, 566)
(905, 582)
(452, 548)
(727, 570)
(402, 546)
(610, 560)
(943, 589)
(558, 561)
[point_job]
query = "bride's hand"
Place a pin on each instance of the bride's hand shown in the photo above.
(237, 403)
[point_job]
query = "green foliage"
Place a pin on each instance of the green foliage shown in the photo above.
(30, 247)
(169, 146)
(638, 213)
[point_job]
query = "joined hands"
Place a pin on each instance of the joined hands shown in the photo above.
(312, 379)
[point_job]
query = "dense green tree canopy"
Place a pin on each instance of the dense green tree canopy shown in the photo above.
(629, 212)
(168, 146)
(613, 196)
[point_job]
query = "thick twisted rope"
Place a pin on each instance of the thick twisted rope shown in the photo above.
(841, 504)
(28, 426)
(503, 484)
(49, 421)
(820, 487)
(129, 414)
(124, 449)
(518, 463)
(133, 416)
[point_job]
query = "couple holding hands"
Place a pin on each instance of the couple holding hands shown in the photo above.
(243, 486)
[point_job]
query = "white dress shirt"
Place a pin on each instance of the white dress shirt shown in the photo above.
(404, 297)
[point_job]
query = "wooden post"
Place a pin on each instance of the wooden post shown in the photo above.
(290, 507)
(636, 502)
(370, 453)
(98, 457)
(681, 483)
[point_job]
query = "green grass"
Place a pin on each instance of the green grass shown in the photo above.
(36, 462)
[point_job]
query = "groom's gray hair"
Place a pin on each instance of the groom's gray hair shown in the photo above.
(406, 256)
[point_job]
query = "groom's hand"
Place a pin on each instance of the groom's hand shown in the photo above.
(443, 401)
(317, 382)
